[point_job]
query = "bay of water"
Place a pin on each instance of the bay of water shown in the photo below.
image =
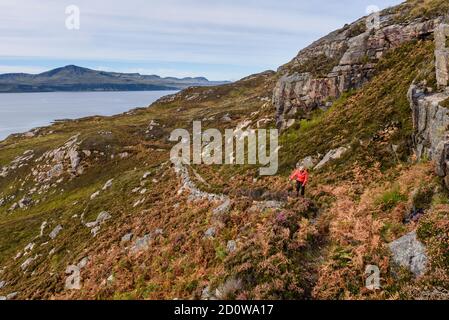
(20, 112)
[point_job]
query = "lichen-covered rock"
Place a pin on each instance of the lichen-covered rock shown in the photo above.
(127, 237)
(24, 202)
(141, 244)
(308, 162)
(230, 287)
(101, 218)
(24, 266)
(231, 246)
(189, 186)
(410, 253)
(331, 155)
(55, 232)
(223, 208)
(29, 247)
(210, 233)
(26, 263)
(18, 162)
(74, 159)
(11, 296)
(107, 185)
(56, 171)
(442, 55)
(94, 195)
(42, 228)
(206, 294)
(83, 262)
(260, 206)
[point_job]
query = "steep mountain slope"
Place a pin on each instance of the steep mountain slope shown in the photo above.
(74, 78)
(100, 196)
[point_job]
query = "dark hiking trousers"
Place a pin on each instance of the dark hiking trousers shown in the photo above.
(300, 188)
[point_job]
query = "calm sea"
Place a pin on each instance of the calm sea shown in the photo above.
(20, 112)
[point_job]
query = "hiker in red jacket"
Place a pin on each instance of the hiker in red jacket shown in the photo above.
(301, 176)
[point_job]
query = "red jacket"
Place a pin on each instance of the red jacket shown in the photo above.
(302, 177)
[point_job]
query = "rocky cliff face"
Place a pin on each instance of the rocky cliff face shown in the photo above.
(430, 112)
(431, 123)
(339, 62)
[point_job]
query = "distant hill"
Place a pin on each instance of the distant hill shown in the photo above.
(74, 78)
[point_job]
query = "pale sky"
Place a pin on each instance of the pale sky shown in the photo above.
(221, 40)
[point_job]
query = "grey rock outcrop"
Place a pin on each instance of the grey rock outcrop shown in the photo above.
(42, 228)
(26, 263)
(223, 208)
(10, 296)
(224, 291)
(261, 206)
(331, 155)
(308, 162)
(141, 244)
(55, 171)
(410, 253)
(431, 125)
(24, 266)
(24, 202)
(127, 237)
(18, 162)
(210, 233)
(442, 55)
(94, 195)
(231, 246)
(189, 186)
(55, 232)
(74, 158)
(350, 58)
(53, 163)
(107, 185)
(96, 225)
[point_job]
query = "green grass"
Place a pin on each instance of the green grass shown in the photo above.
(391, 198)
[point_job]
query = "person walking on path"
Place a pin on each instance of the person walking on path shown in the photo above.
(301, 177)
